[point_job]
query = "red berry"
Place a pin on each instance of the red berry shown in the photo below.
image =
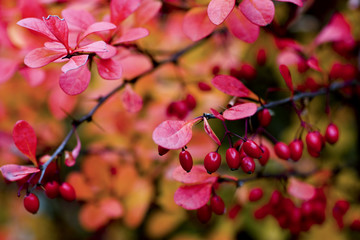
(204, 214)
(31, 203)
(233, 158)
(212, 162)
(262, 212)
(204, 86)
(248, 165)
(335, 71)
(275, 199)
(217, 205)
(67, 192)
(296, 149)
(247, 71)
(162, 151)
(255, 194)
(52, 189)
(355, 225)
(265, 155)
(186, 160)
(264, 117)
(332, 133)
(180, 109)
(215, 70)
(261, 57)
(282, 150)
(234, 211)
(302, 66)
(314, 142)
(190, 102)
(252, 149)
(340, 208)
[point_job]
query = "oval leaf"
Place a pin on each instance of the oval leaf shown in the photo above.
(25, 139)
(173, 134)
(240, 111)
(131, 35)
(131, 100)
(196, 24)
(218, 10)
(217, 114)
(75, 81)
(241, 27)
(121, 9)
(285, 73)
(230, 85)
(313, 63)
(198, 174)
(13, 172)
(194, 196)
(109, 69)
(300, 189)
(259, 12)
(210, 132)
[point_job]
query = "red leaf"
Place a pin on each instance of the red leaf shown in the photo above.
(97, 27)
(131, 100)
(296, 2)
(40, 57)
(313, 63)
(300, 189)
(217, 114)
(285, 73)
(218, 10)
(147, 10)
(288, 57)
(58, 27)
(194, 196)
(240, 111)
(109, 69)
(121, 9)
(241, 27)
(33, 76)
(259, 12)
(25, 139)
(210, 132)
(75, 81)
(173, 134)
(198, 174)
(132, 35)
(230, 85)
(197, 24)
(77, 19)
(70, 157)
(37, 25)
(110, 52)
(7, 69)
(74, 63)
(13, 172)
(99, 46)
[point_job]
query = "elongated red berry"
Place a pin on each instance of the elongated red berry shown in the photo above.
(204, 214)
(252, 149)
(162, 151)
(314, 141)
(233, 158)
(261, 57)
(265, 155)
(255, 194)
(186, 160)
(67, 192)
(296, 149)
(282, 150)
(332, 133)
(248, 165)
(212, 162)
(204, 86)
(264, 117)
(190, 102)
(52, 189)
(31, 203)
(217, 205)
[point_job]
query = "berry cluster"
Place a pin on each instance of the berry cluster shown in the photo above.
(180, 109)
(216, 206)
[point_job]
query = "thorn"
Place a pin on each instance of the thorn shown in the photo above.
(98, 125)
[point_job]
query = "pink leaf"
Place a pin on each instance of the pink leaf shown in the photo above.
(218, 10)
(288, 57)
(111, 207)
(134, 65)
(109, 53)
(210, 132)
(13, 172)
(197, 24)
(173, 134)
(7, 69)
(296, 2)
(147, 10)
(285, 73)
(40, 57)
(97, 27)
(70, 157)
(241, 27)
(313, 63)
(55, 46)
(58, 27)
(194, 196)
(75, 81)
(259, 12)
(217, 114)
(78, 19)
(300, 189)
(75, 62)
(132, 35)
(230, 85)
(121, 9)
(131, 100)
(37, 25)
(109, 69)
(33, 76)
(25, 139)
(99, 46)
(240, 111)
(198, 174)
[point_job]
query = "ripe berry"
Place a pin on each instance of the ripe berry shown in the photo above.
(340, 208)
(247, 71)
(262, 212)
(264, 117)
(215, 70)
(162, 151)
(234, 211)
(204, 86)
(186, 160)
(332, 133)
(314, 141)
(204, 214)
(282, 150)
(31, 203)
(265, 155)
(67, 192)
(190, 102)
(217, 205)
(180, 109)
(212, 162)
(255, 194)
(261, 57)
(296, 149)
(252, 149)
(52, 189)
(233, 158)
(248, 165)
(355, 225)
